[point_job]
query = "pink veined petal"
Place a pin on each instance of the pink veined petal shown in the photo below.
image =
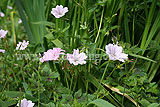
(30, 104)
(75, 63)
(24, 103)
(65, 10)
(41, 60)
(124, 56)
(59, 8)
(122, 60)
(109, 49)
(112, 57)
(82, 56)
(75, 52)
(81, 62)
(118, 50)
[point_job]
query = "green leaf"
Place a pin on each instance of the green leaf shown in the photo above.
(66, 28)
(58, 43)
(145, 102)
(54, 75)
(48, 105)
(78, 94)
(49, 36)
(15, 94)
(142, 57)
(154, 105)
(44, 23)
(25, 85)
(100, 103)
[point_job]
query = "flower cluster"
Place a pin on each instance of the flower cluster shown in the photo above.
(54, 54)
(25, 103)
(114, 52)
(22, 45)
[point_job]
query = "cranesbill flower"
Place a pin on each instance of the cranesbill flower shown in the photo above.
(115, 52)
(2, 51)
(22, 45)
(3, 33)
(25, 103)
(2, 14)
(77, 58)
(52, 54)
(59, 11)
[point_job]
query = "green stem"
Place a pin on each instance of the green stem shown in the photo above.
(66, 80)
(112, 72)
(103, 76)
(19, 97)
(99, 26)
(38, 87)
(71, 83)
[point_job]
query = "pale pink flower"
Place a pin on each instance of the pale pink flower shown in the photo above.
(77, 58)
(19, 21)
(52, 54)
(2, 51)
(115, 52)
(22, 45)
(59, 11)
(9, 7)
(25, 103)
(3, 33)
(2, 14)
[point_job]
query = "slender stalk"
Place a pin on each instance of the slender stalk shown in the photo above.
(66, 80)
(38, 86)
(99, 26)
(112, 72)
(103, 76)
(19, 97)
(71, 83)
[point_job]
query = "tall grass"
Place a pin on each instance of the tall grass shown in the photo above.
(31, 11)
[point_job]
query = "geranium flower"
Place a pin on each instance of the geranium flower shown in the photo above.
(59, 11)
(115, 52)
(2, 14)
(25, 103)
(2, 51)
(22, 45)
(52, 54)
(77, 58)
(3, 33)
